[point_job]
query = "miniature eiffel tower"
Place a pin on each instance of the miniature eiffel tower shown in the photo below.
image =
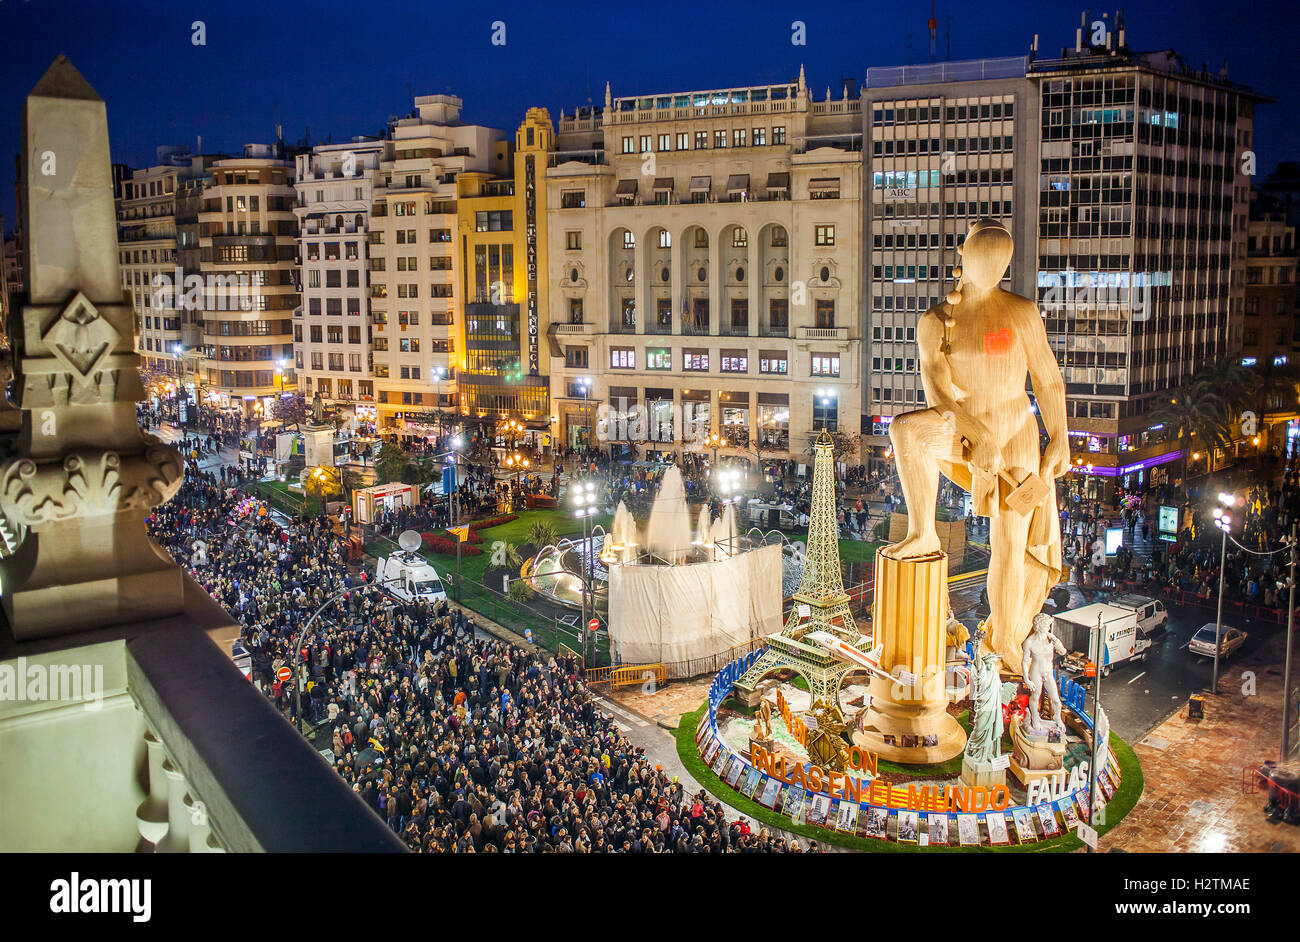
(820, 604)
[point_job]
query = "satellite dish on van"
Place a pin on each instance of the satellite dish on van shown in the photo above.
(409, 540)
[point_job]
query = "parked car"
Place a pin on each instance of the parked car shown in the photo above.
(1230, 639)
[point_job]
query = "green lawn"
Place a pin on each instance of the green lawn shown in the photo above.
(491, 604)
(851, 551)
(1121, 804)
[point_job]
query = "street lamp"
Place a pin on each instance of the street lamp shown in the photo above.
(1222, 520)
(584, 507)
(713, 441)
(437, 386)
(584, 383)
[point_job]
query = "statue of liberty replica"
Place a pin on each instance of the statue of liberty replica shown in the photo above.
(984, 745)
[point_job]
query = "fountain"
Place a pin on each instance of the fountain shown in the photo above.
(668, 534)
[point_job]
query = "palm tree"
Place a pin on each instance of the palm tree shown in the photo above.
(1236, 384)
(1198, 416)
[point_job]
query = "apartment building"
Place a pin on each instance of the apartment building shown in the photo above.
(1270, 323)
(248, 241)
(331, 327)
(502, 221)
(149, 256)
(414, 262)
(705, 270)
(946, 145)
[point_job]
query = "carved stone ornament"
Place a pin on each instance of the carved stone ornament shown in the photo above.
(83, 485)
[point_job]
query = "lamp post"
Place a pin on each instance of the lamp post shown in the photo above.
(584, 383)
(1286, 666)
(584, 507)
(826, 397)
(1222, 520)
(437, 386)
(713, 441)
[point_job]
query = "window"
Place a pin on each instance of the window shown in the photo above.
(665, 142)
(760, 137)
(574, 199)
(628, 147)
(738, 137)
(774, 362)
(665, 239)
(735, 361)
(354, 363)
(778, 313)
(739, 238)
(573, 240)
(719, 138)
(825, 235)
(409, 345)
(575, 357)
(779, 237)
(645, 143)
(695, 361)
(629, 240)
(494, 221)
(658, 358)
(701, 140)
(825, 364)
(683, 140)
(825, 313)
(778, 135)
(622, 358)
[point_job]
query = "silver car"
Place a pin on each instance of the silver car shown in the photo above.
(1230, 639)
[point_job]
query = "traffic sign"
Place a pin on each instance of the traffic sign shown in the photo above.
(593, 624)
(284, 673)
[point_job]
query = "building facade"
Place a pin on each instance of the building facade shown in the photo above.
(414, 262)
(1141, 249)
(248, 241)
(502, 220)
(705, 271)
(331, 327)
(946, 145)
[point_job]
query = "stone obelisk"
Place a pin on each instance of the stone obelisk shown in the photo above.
(84, 476)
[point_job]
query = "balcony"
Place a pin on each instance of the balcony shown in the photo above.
(774, 330)
(179, 745)
(824, 333)
(695, 330)
(571, 329)
(735, 330)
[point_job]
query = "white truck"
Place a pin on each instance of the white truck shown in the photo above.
(1124, 637)
(1151, 612)
(406, 575)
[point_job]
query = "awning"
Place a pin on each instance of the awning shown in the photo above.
(701, 183)
(824, 183)
(778, 181)
(627, 187)
(737, 182)
(663, 183)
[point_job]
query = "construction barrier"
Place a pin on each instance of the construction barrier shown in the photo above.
(627, 675)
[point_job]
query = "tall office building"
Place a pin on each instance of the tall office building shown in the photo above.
(1270, 342)
(1115, 171)
(331, 327)
(705, 270)
(248, 239)
(505, 364)
(413, 258)
(1142, 227)
(948, 144)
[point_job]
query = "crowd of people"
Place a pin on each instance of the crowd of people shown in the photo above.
(462, 742)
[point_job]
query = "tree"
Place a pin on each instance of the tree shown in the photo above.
(1235, 384)
(290, 410)
(390, 463)
(1198, 417)
(846, 446)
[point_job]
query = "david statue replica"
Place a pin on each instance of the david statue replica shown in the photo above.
(976, 350)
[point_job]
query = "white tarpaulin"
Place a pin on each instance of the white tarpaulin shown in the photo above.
(674, 614)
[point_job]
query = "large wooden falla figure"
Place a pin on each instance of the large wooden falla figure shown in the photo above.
(980, 431)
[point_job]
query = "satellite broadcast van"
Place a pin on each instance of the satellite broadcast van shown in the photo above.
(1125, 638)
(407, 575)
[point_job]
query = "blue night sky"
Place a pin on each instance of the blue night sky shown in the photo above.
(342, 68)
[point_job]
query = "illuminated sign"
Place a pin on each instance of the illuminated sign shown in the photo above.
(530, 243)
